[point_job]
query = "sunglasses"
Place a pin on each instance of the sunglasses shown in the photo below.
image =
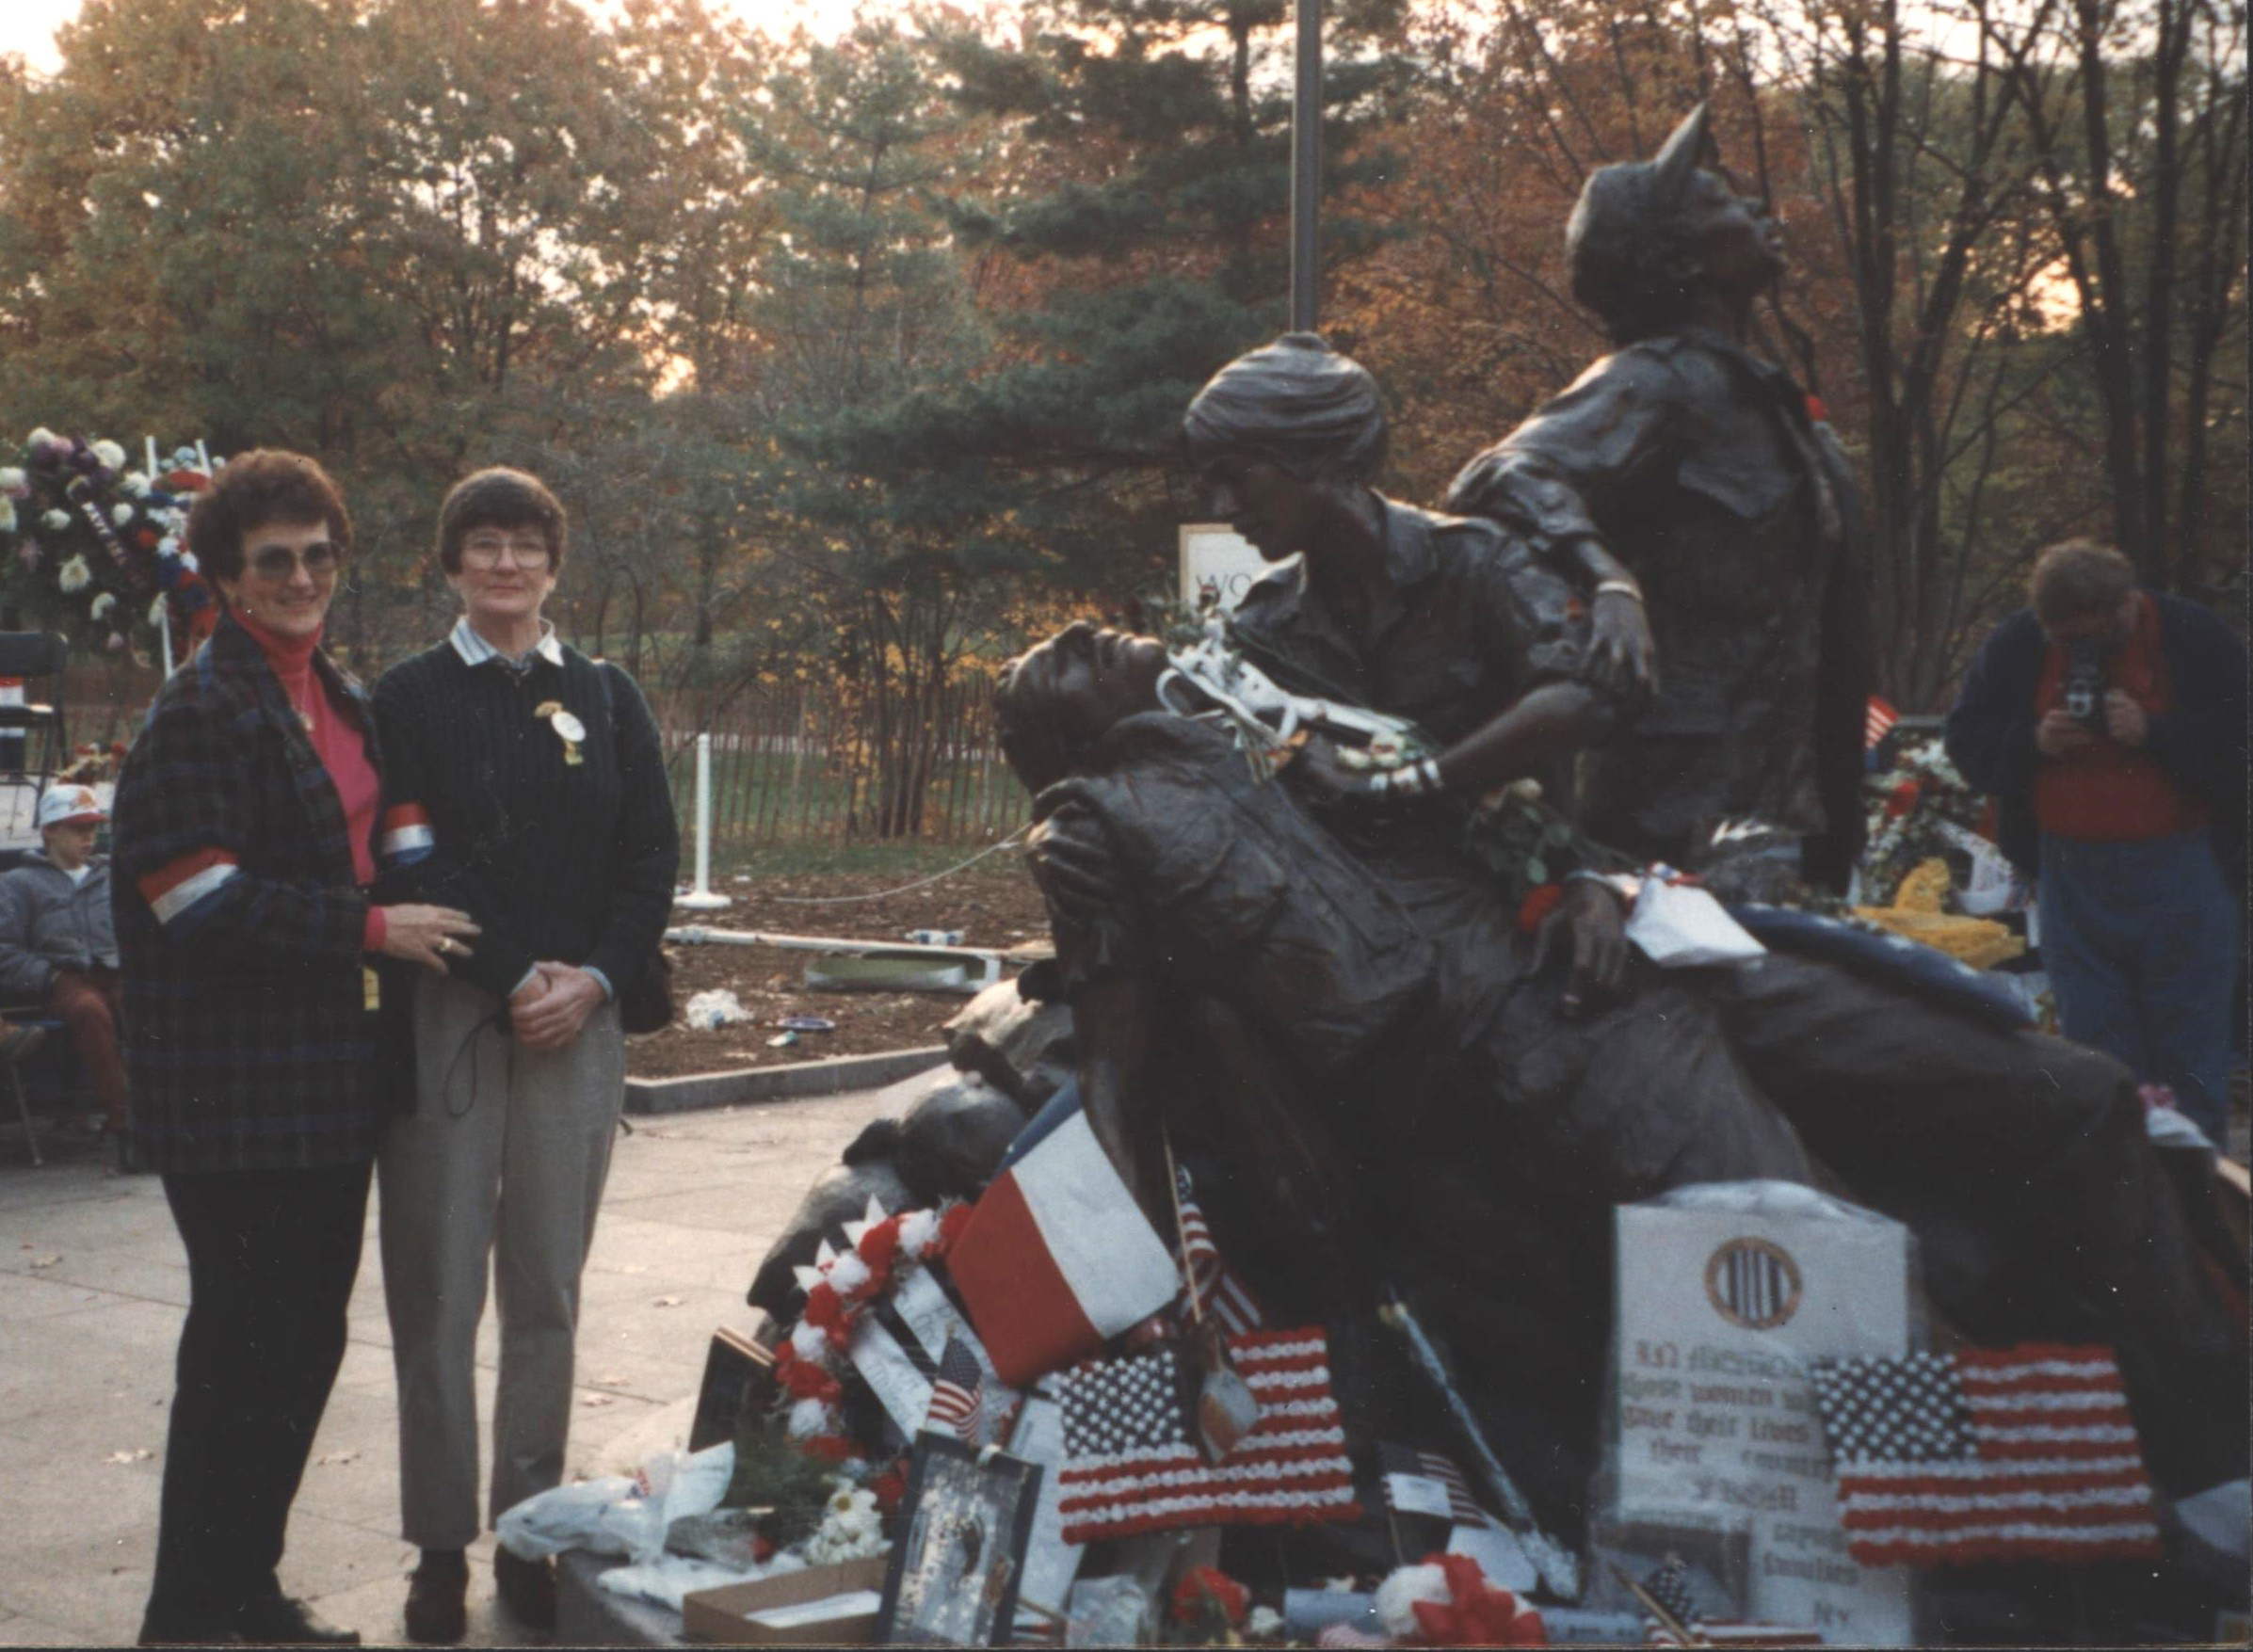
(276, 563)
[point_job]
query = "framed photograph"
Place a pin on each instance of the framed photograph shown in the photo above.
(967, 1520)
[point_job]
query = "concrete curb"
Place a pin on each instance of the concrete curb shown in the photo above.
(831, 1076)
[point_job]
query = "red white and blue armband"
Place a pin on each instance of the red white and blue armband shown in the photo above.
(181, 890)
(406, 837)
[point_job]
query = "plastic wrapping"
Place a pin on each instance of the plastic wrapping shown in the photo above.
(618, 1514)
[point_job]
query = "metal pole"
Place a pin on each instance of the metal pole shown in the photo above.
(1306, 171)
(702, 899)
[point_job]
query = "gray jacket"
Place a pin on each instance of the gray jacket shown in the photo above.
(47, 923)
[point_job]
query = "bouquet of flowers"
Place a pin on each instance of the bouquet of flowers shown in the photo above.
(1919, 809)
(94, 547)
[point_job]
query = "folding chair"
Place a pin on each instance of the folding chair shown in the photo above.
(36, 657)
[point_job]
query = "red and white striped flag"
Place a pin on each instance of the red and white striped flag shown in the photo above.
(1131, 1463)
(1991, 1455)
(1219, 1290)
(957, 1394)
(1878, 722)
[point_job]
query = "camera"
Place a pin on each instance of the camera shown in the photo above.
(2083, 693)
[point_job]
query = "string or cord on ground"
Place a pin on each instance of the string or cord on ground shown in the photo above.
(905, 889)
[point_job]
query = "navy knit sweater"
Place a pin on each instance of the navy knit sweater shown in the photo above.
(554, 858)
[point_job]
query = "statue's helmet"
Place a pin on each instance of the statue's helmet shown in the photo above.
(1313, 411)
(1629, 241)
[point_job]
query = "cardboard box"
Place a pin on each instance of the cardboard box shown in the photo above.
(723, 1616)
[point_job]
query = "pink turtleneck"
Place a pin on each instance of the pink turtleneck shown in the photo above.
(339, 745)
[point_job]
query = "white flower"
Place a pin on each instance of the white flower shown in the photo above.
(136, 484)
(1398, 1595)
(808, 1340)
(111, 456)
(12, 477)
(55, 522)
(41, 437)
(72, 576)
(102, 604)
(848, 1273)
(120, 515)
(187, 560)
(157, 612)
(919, 1233)
(1265, 1621)
(807, 1418)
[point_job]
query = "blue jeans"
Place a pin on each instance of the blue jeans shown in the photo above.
(2140, 942)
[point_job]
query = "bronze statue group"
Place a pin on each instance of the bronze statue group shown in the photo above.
(1384, 1065)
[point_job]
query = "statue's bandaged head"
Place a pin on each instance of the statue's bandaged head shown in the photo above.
(1632, 240)
(1298, 401)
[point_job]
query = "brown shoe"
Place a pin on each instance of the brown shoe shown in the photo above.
(528, 1588)
(438, 1612)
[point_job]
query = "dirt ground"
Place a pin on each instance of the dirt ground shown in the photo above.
(994, 906)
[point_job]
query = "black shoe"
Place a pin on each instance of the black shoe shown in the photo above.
(528, 1588)
(173, 1628)
(438, 1612)
(282, 1620)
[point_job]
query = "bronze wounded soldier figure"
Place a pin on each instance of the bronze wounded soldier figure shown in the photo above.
(1375, 1099)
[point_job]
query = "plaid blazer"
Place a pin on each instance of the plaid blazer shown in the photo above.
(250, 1042)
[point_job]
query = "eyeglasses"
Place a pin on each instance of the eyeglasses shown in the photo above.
(485, 550)
(276, 563)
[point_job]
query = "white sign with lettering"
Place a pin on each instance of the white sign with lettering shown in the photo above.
(1719, 1309)
(1217, 560)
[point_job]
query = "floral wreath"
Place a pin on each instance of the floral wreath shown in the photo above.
(841, 1286)
(98, 546)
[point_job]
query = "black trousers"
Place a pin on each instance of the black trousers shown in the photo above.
(271, 1258)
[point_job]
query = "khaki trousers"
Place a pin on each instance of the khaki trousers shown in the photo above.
(501, 1164)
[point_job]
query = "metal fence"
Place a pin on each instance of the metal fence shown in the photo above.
(796, 764)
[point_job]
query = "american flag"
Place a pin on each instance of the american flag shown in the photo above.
(1131, 1463)
(957, 1394)
(1219, 1290)
(1878, 722)
(1397, 1459)
(1988, 1454)
(1669, 1586)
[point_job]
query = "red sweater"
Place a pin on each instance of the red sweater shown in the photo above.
(2105, 791)
(339, 745)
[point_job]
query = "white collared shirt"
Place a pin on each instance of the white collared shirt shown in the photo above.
(475, 650)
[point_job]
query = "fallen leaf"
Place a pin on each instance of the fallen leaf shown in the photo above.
(669, 1301)
(633, 1268)
(350, 1456)
(140, 1454)
(45, 1262)
(598, 1399)
(612, 1382)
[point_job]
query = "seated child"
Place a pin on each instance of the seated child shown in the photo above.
(57, 947)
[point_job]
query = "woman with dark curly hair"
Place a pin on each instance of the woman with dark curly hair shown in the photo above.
(244, 824)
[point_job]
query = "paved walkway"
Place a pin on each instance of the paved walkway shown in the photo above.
(93, 1285)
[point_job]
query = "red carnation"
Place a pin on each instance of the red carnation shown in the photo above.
(1817, 413)
(891, 1488)
(825, 1308)
(803, 1378)
(951, 1224)
(879, 1246)
(1479, 1616)
(1536, 905)
(1902, 799)
(829, 1448)
(1207, 1590)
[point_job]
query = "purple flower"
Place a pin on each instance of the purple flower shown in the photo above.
(28, 552)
